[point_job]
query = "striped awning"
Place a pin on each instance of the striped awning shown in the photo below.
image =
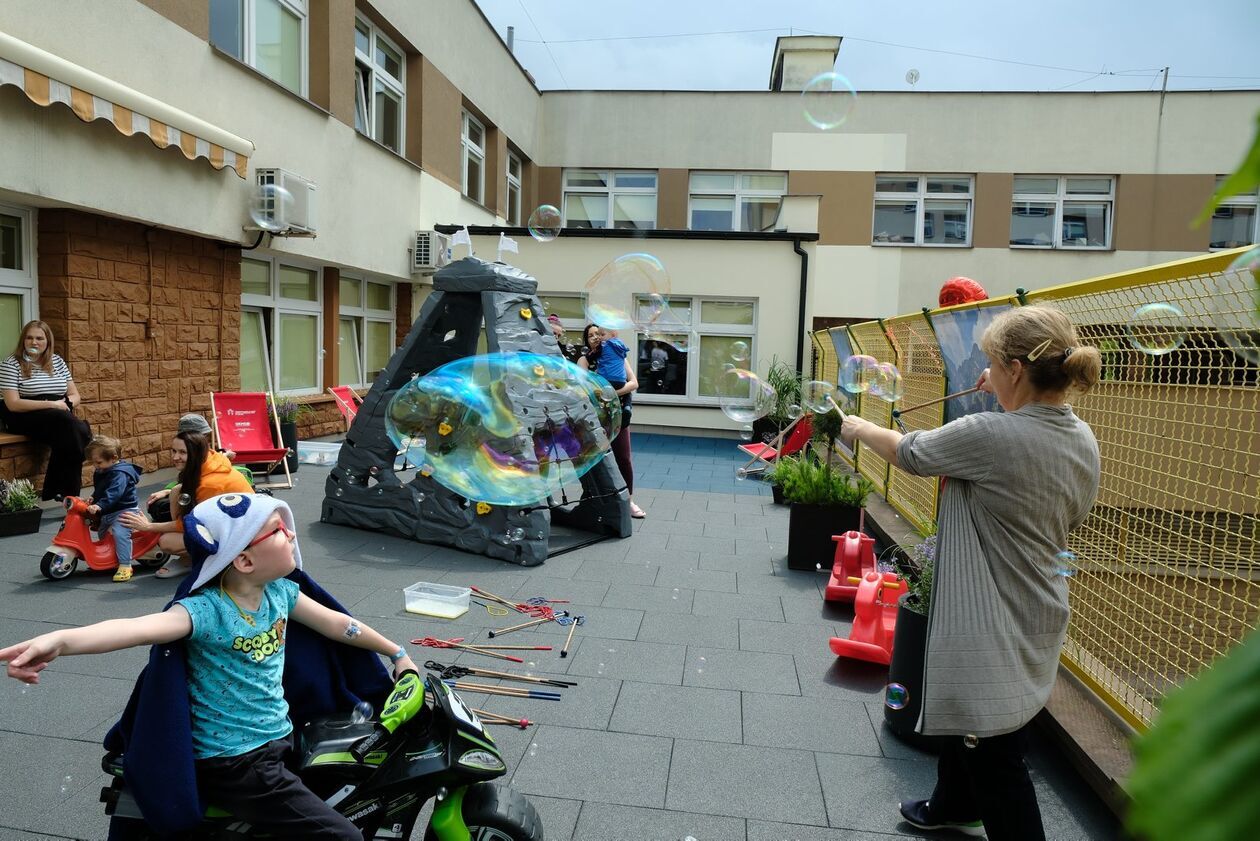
(46, 78)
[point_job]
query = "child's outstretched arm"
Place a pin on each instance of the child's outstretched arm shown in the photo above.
(27, 659)
(342, 628)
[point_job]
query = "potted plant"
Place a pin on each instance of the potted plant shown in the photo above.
(910, 642)
(776, 489)
(290, 411)
(824, 501)
(786, 382)
(19, 508)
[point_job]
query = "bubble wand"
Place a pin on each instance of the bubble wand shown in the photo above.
(899, 412)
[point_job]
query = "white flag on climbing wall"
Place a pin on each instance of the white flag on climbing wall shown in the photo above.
(461, 237)
(506, 243)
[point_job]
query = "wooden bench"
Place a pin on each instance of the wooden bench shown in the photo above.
(12, 438)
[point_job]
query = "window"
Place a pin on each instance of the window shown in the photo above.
(379, 95)
(1233, 223)
(922, 210)
(365, 330)
(513, 189)
(268, 35)
(280, 327)
(708, 328)
(572, 316)
(604, 199)
(1049, 211)
(735, 201)
(17, 274)
(474, 143)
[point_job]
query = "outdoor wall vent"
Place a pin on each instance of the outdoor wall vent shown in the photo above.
(430, 252)
(284, 204)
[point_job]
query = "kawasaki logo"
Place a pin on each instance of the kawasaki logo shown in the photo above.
(363, 813)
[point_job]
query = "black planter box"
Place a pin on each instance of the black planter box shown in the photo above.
(810, 528)
(19, 522)
(906, 668)
(776, 493)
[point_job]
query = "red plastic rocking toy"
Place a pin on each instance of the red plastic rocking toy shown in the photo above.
(855, 557)
(875, 617)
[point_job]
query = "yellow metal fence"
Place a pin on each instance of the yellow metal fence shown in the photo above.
(1170, 555)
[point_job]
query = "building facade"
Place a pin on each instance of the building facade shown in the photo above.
(133, 133)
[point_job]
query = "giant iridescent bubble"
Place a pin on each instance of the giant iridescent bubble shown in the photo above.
(629, 293)
(505, 428)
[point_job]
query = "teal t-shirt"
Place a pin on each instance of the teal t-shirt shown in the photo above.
(235, 670)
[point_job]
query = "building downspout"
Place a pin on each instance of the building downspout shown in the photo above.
(800, 344)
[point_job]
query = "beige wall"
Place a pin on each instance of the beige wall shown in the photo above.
(847, 204)
(672, 195)
(193, 16)
(1154, 212)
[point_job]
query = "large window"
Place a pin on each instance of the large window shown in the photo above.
(716, 333)
(473, 139)
(17, 274)
(269, 35)
(1050, 211)
(379, 93)
(922, 210)
(607, 199)
(280, 327)
(365, 330)
(572, 315)
(513, 189)
(735, 201)
(1233, 223)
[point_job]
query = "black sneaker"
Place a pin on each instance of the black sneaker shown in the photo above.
(918, 814)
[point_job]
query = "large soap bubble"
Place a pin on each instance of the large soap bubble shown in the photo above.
(743, 396)
(886, 382)
(827, 100)
(505, 428)
(817, 396)
(544, 223)
(609, 298)
(270, 208)
(858, 372)
(1235, 305)
(1156, 329)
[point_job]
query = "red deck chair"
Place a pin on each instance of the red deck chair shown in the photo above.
(797, 437)
(243, 422)
(347, 403)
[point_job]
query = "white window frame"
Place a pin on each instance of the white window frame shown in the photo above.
(469, 148)
(1247, 200)
(1058, 198)
(514, 183)
(273, 306)
(359, 310)
(611, 191)
(738, 193)
(377, 77)
(919, 198)
(23, 282)
(696, 331)
(249, 45)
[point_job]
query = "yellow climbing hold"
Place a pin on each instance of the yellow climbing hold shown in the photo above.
(526, 312)
(538, 371)
(444, 428)
(483, 508)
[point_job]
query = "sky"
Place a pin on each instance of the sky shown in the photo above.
(1042, 46)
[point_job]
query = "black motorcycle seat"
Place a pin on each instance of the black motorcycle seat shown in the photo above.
(328, 740)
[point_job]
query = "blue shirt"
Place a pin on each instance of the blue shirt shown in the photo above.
(612, 361)
(235, 693)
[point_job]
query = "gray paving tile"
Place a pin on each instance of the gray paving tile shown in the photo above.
(43, 807)
(576, 591)
(691, 578)
(734, 563)
(744, 781)
(688, 712)
(819, 724)
(784, 638)
(650, 662)
(762, 519)
(695, 543)
(652, 557)
(721, 668)
(900, 778)
(588, 705)
(674, 527)
(822, 673)
(706, 516)
(559, 817)
(765, 831)
(739, 505)
(797, 584)
(890, 744)
(754, 533)
(62, 703)
(708, 631)
(641, 597)
(808, 609)
(738, 605)
(591, 765)
(616, 572)
(608, 622)
(601, 822)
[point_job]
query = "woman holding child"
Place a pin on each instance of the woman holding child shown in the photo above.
(606, 356)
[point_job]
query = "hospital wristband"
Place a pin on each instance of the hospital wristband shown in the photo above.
(398, 655)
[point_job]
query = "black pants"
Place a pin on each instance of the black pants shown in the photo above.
(66, 437)
(989, 782)
(259, 787)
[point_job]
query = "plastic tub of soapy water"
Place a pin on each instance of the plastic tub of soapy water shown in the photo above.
(318, 452)
(440, 600)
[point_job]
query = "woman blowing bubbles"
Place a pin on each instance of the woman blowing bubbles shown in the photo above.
(1019, 481)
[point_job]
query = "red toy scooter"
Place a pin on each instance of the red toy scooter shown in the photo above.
(74, 541)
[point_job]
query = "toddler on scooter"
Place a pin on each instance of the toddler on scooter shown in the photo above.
(233, 627)
(113, 493)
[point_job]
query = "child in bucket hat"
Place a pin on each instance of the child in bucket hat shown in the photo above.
(234, 626)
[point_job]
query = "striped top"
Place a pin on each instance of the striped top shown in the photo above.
(1018, 483)
(39, 382)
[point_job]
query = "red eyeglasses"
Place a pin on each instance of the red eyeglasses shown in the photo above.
(280, 529)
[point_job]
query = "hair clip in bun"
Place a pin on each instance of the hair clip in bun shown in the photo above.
(1067, 351)
(1036, 352)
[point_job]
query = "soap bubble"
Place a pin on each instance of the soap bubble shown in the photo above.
(499, 432)
(746, 432)
(271, 207)
(1066, 563)
(65, 784)
(794, 411)
(741, 473)
(1156, 329)
(533, 749)
(886, 382)
(743, 396)
(895, 696)
(740, 351)
(816, 395)
(609, 297)
(971, 740)
(600, 669)
(362, 713)
(1235, 305)
(657, 364)
(517, 533)
(544, 223)
(857, 373)
(827, 100)
(675, 594)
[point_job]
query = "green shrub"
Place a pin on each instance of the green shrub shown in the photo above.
(18, 495)
(786, 382)
(808, 481)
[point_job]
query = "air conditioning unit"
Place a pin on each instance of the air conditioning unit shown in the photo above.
(287, 213)
(430, 252)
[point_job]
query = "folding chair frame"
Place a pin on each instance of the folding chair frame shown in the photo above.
(348, 411)
(275, 420)
(777, 445)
